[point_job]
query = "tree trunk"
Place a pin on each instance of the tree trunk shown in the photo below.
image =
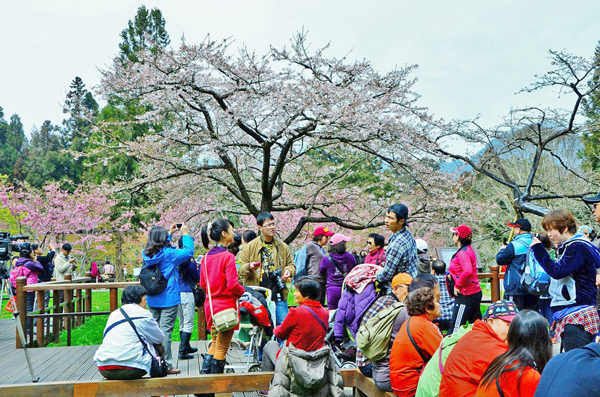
(119, 256)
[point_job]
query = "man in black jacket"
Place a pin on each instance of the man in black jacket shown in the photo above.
(46, 262)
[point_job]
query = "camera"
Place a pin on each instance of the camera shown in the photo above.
(279, 281)
(8, 245)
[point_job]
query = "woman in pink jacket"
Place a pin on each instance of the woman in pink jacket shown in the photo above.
(463, 274)
(218, 271)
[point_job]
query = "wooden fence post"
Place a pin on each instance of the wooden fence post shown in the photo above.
(114, 296)
(201, 323)
(21, 306)
(495, 283)
(69, 309)
(78, 303)
(56, 321)
(41, 305)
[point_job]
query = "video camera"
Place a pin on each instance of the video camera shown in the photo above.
(8, 245)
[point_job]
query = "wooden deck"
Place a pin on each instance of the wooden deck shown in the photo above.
(76, 362)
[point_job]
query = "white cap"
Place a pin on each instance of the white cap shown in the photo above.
(421, 244)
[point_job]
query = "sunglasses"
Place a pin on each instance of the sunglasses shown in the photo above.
(369, 243)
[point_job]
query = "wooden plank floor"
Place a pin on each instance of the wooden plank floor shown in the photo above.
(76, 362)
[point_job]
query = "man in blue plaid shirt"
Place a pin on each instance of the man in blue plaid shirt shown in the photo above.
(446, 302)
(402, 249)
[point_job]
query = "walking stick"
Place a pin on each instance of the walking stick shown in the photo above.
(21, 334)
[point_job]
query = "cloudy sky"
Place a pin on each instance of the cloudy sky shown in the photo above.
(473, 56)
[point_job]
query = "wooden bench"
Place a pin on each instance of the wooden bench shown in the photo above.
(223, 385)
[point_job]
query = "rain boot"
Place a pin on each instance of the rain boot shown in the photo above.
(206, 364)
(217, 366)
(185, 340)
(188, 348)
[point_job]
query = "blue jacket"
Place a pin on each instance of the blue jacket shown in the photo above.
(513, 257)
(169, 259)
(188, 273)
(572, 374)
(573, 274)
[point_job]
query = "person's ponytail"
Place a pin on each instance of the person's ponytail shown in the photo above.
(204, 236)
(216, 230)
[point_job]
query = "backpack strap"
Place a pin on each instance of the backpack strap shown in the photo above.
(440, 361)
(498, 387)
(128, 319)
(311, 311)
(336, 266)
(417, 348)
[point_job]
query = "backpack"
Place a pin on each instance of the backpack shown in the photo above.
(373, 337)
(535, 279)
(300, 259)
(152, 279)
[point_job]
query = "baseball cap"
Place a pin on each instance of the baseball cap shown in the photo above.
(421, 244)
(322, 230)
(504, 310)
(338, 238)
(593, 199)
(521, 223)
(401, 278)
(401, 212)
(585, 229)
(463, 231)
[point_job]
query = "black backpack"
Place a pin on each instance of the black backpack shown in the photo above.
(152, 279)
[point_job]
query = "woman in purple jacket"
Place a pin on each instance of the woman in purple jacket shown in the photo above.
(27, 266)
(336, 266)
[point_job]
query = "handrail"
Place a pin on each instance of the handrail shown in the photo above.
(221, 383)
(64, 287)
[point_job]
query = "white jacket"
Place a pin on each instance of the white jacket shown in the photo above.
(121, 346)
(62, 267)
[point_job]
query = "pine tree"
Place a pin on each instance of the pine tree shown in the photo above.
(145, 25)
(591, 106)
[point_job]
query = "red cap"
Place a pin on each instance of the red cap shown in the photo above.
(322, 230)
(463, 231)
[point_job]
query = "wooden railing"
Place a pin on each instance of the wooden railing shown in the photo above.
(494, 275)
(75, 307)
(222, 385)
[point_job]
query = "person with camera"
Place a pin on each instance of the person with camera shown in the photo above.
(48, 265)
(64, 265)
(121, 356)
(27, 266)
(267, 262)
(164, 305)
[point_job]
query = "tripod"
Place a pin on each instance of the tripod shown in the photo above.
(20, 331)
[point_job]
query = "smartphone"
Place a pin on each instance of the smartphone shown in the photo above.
(178, 225)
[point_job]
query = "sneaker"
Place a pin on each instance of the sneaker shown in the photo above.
(173, 371)
(263, 393)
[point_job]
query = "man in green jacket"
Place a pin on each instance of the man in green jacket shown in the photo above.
(267, 262)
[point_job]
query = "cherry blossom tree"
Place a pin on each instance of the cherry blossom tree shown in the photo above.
(52, 214)
(286, 132)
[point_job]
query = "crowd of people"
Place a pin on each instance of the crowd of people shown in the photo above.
(417, 321)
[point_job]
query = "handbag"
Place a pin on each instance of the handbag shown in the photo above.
(158, 367)
(225, 319)
(199, 295)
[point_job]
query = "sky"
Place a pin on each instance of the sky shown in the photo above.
(473, 56)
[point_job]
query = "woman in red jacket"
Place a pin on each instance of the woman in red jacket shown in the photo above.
(463, 270)
(219, 275)
(516, 373)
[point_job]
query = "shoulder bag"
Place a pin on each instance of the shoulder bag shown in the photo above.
(417, 348)
(225, 319)
(158, 368)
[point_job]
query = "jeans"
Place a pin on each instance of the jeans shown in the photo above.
(546, 311)
(186, 311)
(281, 311)
(165, 317)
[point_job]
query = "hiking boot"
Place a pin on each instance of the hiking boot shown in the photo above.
(217, 366)
(206, 364)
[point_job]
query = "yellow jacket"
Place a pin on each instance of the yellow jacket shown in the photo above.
(251, 253)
